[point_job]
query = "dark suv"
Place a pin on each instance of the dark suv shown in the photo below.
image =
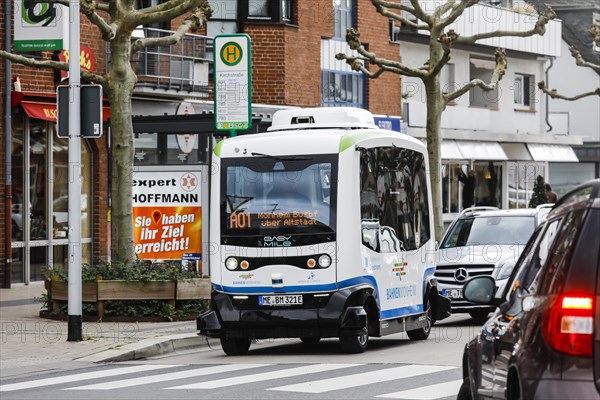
(543, 342)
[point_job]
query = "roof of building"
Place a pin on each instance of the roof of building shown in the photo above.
(576, 16)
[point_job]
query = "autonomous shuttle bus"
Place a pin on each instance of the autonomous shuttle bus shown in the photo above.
(324, 228)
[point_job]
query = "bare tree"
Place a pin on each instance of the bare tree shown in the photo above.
(119, 82)
(580, 61)
(440, 44)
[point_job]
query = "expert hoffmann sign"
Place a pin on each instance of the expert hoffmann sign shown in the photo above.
(167, 215)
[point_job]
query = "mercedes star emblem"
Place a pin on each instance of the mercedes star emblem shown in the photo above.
(461, 275)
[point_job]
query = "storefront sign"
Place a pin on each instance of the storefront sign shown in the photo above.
(87, 61)
(167, 214)
(40, 26)
(233, 83)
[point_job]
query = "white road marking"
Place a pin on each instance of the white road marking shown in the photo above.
(366, 378)
(144, 380)
(82, 377)
(286, 373)
(427, 392)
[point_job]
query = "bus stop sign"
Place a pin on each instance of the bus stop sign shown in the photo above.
(233, 83)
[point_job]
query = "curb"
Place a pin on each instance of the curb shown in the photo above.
(151, 348)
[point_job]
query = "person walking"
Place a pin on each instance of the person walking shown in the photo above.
(550, 194)
(468, 181)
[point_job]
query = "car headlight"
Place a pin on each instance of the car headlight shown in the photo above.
(506, 270)
(324, 261)
(231, 263)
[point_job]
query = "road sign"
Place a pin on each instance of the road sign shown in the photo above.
(233, 83)
(90, 111)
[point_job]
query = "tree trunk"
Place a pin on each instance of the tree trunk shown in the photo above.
(435, 107)
(121, 81)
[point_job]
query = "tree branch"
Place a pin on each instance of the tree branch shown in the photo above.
(398, 17)
(396, 6)
(456, 10)
(499, 72)
(446, 40)
(579, 60)
(63, 66)
(171, 10)
(88, 8)
(192, 23)
(595, 32)
(353, 39)
(539, 28)
(555, 95)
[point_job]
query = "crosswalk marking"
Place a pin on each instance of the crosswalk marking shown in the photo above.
(286, 373)
(168, 377)
(81, 377)
(366, 378)
(431, 392)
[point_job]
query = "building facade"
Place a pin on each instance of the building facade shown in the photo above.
(293, 44)
(500, 135)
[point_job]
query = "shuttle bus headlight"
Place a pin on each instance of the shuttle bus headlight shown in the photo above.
(324, 261)
(231, 263)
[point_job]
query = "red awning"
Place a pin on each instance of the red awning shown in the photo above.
(47, 111)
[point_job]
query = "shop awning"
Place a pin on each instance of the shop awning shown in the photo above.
(47, 111)
(552, 152)
(516, 151)
(450, 150)
(467, 150)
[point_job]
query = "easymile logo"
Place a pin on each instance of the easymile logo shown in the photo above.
(277, 241)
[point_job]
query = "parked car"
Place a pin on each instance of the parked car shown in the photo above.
(543, 342)
(483, 241)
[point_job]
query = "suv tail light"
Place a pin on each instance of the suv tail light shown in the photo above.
(568, 325)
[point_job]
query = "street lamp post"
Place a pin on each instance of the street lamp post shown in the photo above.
(74, 288)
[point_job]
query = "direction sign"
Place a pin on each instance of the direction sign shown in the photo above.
(233, 83)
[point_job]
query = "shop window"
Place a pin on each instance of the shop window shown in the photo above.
(521, 179)
(488, 184)
(487, 189)
(394, 199)
(523, 89)
(481, 68)
(343, 89)
(40, 197)
(343, 17)
(168, 149)
(451, 196)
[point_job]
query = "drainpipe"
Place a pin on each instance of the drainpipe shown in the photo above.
(7, 146)
(548, 97)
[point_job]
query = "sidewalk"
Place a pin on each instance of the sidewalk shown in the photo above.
(28, 340)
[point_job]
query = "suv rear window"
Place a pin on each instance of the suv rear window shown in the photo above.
(490, 230)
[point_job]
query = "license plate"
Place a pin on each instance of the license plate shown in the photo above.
(454, 293)
(282, 300)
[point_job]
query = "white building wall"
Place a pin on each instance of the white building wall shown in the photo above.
(570, 80)
(463, 116)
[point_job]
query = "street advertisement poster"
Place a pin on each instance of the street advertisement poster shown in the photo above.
(167, 213)
(40, 26)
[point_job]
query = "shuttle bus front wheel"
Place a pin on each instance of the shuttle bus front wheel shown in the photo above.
(235, 346)
(422, 333)
(355, 343)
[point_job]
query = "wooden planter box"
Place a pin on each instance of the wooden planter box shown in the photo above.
(105, 290)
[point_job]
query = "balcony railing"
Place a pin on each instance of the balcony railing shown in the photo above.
(487, 18)
(184, 66)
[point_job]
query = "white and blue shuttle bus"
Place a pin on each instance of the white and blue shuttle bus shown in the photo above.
(325, 229)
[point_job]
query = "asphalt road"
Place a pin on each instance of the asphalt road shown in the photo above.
(392, 367)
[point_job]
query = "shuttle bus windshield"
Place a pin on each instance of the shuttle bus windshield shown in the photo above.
(268, 195)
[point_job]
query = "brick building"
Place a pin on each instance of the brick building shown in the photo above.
(293, 45)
